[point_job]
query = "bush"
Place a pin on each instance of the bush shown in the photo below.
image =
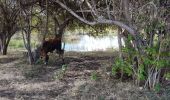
(145, 61)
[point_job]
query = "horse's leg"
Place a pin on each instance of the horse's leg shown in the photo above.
(63, 60)
(58, 52)
(46, 59)
(62, 55)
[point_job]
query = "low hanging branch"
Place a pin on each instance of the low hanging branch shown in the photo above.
(100, 20)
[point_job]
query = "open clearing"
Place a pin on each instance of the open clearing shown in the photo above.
(73, 81)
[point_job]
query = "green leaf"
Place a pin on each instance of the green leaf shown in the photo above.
(114, 70)
(64, 67)
(147, 61)
(157, 87)
(161, 63)
(94, 76)
(167, 75)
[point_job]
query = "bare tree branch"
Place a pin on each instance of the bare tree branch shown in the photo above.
(100, 20)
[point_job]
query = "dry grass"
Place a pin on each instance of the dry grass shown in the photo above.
(73, 81)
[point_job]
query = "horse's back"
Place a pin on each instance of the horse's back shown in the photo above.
(52, 44)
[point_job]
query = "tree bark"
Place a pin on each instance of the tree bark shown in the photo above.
(0, 43)
(120, 42)
(4, 50)
(31, 58)
(120, 50)
(4, 44)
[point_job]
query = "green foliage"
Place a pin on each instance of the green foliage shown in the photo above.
(141, 73)
(18, 43)
(64, 68)
(154, 25)
(125, 65)
(39, 61)
(151, 51)
(157, 87)
(167, 76)
(152, 58)
(121, 65)
(100, 97)
(149, 60)
(94, 76)
(60, 73)
(35, 20)
(130, 38)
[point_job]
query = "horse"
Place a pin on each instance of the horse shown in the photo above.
(49, 46)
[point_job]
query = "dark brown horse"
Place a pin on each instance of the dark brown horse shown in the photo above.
(50, 46)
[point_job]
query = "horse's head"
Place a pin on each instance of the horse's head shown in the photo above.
(42, 53)
(44, 56)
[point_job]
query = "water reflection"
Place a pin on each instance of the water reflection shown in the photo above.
(89, 43)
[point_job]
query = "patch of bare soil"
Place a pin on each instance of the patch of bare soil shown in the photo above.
(84, 76)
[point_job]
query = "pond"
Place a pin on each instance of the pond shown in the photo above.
(84, 43)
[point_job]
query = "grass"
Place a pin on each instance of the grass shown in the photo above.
(94, 76)
(18, 43)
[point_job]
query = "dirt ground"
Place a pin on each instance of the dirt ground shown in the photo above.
(84, 76)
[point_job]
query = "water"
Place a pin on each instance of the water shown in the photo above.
(89, 43)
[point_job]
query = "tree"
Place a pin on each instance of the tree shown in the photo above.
(27, 26)
(141, 22)
(9, 23)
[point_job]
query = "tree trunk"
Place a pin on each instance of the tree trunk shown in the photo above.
(120, 49)
(27, 35)
(4, 44)
(27, 43)
(120, 42)
(31, 58)
(0, 45)
(4, 50)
